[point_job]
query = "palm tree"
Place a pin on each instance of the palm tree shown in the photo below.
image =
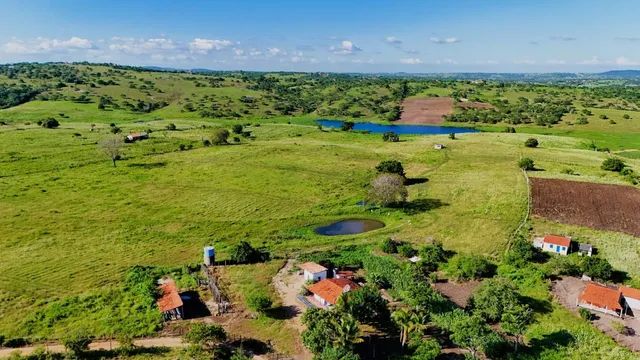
(347, 331)
(402, 318)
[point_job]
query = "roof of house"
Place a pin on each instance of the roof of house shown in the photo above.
(312, 267)
(630, 292)
(585, 246)
(601, 296)
(349, 274)
(169, 296)
(331, 289)
(557, 240)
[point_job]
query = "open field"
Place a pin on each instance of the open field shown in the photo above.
(425, 110)
(599, 206)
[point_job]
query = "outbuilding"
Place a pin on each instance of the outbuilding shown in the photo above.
(554, 243)
(313, 271)
(170, 303)
(327, 291)
(601, 298)
(133, 137)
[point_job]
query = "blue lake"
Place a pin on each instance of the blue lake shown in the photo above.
(401, 129)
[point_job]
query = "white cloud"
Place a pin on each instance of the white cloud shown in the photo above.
(204, 46)
(556, 62)
(623, 61)
(446, 62)
(134, 46)
(562, 38)
(46, 45)
(442, 41)
(274, 51)
(525, 62)
(593, 61)
(393, 40)
(346, 47)
(411, 61)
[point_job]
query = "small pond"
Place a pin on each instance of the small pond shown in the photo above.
(349, 227)
(400, 129)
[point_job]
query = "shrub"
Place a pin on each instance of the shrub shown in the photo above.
(219, 136)
(50, 123)
(171, 127)
(390, 136)
(15, 342)
(585, 314)
(603, 117)
(244, 253)
(365, 305)
(425, 349)
(613, 164)
(493, 297)
(626, 116)
(526, 164)
(347, 125)
(531, 143)
(406, 250)
(115, 130)
(206, 142)
(468, 267)
(619, 327)
(76, 344)
(452, 136)
(391, 167)
(568, 171)
(389, 246)
(431, 256)
(205, 335)
(237, 129)
(259, 303)
(596, 267)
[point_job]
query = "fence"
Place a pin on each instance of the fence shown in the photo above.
(222, 303)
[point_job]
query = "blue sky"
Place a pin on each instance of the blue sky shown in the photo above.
(328, 35)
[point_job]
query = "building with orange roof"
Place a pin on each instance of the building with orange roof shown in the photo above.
(601, 298)
(556, 244)
(170, 303)
(632, 299)
(327, 291)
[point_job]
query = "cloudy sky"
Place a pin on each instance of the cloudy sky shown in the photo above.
(328, 35)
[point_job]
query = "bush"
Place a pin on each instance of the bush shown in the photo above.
(237, 129)
(619, 327)
(468, 267)
(76, 344)
(526, 164)
(219, 136)
(390, 136)
(244, 253)
(366, 305)
(259, 303)
(596, 267)
(171, 127)
(15, 342)
(425, 349)
(347, 125)
(452, 136)
(531, 143)
(391, 167)
(431, 256)
(585, 314)
(407, 250)
(389, 246)
(613, 164)
(493, 297)
(50, 123)
(205, 335)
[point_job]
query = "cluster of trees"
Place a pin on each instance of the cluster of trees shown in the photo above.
(12, 95)
(244, 253)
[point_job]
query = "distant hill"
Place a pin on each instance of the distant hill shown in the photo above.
(621, 74)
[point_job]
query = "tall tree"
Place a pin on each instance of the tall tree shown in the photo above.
(112, 147)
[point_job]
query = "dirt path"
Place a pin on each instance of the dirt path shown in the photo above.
(170, 342)
(288, 284)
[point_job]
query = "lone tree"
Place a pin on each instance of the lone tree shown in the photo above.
(219, 136)
(613, 164)
(526, 164)
(237, 129)
(391, 167)
(347, 125)
(112, 147)
(50, 123)
(259, 303)
(205, 335)
(531, 142)
(387, 189)
(390, 136)
(515, 320)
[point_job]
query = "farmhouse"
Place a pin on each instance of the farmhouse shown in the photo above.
(133, 137)
(601, 298)
(170, 302)
(313, 271)
(327, 291)
(554, 243)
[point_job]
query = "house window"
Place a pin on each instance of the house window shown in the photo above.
(550, 246)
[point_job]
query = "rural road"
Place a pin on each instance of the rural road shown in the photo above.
(170, 342)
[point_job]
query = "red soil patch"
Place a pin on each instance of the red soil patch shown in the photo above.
(458, 293)
(426, 110)
(598, 206)
(474, 105)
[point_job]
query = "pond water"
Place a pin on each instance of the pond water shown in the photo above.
(400, 129)
(349, 227)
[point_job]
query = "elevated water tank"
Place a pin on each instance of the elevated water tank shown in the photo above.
(209, 255)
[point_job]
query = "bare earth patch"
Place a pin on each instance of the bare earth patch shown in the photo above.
(458, 293)
(425, 110)
(473, 105)
(598, 206)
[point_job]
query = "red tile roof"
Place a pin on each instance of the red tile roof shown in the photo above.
(331, 289)
(169, 296)
(557, 240)
(601, 296)
(630, 292)
(312, 267)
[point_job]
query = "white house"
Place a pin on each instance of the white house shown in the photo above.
(554, 243)
(313, 272)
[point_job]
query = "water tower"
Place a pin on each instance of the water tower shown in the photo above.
(209, 255)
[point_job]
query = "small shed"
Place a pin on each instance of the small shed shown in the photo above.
(170, 303)
(585, 249)
(313, 271)
(439, 146)
(133, 137)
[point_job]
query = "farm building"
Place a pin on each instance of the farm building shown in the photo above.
(170, 302)
(133, 137)
(554, 243)
(585, 249)
(344, 274)
(439, 146)
(631, 298)
(327, 291)
(313, 271)
(601, 298)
